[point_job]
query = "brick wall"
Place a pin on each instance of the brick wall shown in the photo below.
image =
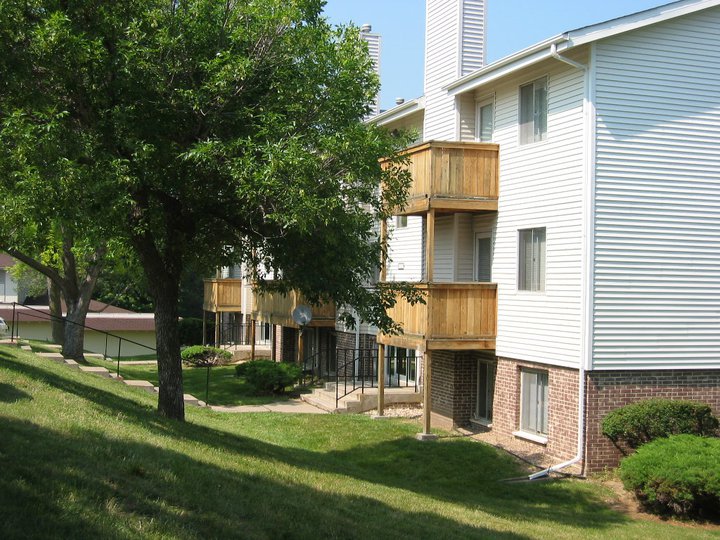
(608, 390)
(454, 386)
(562, 405)
(287, 350)
(346, 346)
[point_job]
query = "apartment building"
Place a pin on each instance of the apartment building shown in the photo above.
(564, 221)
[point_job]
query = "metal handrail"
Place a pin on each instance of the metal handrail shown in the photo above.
(51, 317)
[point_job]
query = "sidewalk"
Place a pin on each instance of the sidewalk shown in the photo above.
(291, 406)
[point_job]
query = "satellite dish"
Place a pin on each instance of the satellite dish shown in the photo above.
(302, 315)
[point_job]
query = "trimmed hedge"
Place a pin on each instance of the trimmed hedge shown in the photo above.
(269, 377)
(644, 421)
(201, 356)
(678, 475)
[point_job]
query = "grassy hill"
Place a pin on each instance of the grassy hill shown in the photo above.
(85, 457)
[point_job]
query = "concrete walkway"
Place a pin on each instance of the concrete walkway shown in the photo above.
(290, 406)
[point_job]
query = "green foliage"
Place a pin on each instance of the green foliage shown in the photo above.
(269, 377)
(679, 475)
(190, 330)
(644, 421)
(202, 356)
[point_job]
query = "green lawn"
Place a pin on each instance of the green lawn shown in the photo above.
(87, 457)
(224, 388)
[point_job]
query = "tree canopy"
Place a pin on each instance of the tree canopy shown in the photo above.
(208, 133)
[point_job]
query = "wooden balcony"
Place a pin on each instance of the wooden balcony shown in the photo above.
(223, 295)
(456, 316)
(277, 308)
(453, 177)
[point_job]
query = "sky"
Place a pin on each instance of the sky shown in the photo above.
(512, 25)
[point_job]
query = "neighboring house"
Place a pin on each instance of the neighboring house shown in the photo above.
(564, 221)
(605, 245)
(8, 286)
(131, 334)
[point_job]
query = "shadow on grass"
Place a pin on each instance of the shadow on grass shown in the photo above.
(10, 394)
(93, 486)
(454, 470)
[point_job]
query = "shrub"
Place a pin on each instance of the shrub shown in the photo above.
(201, 356)
(680, 475)
(269, 377)
(642, 422)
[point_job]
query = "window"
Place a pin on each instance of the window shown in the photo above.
(534, 402)
(531, 264)
(485, 122)
(400, 222)
(485, 390)
(483, 258)
(533, 111)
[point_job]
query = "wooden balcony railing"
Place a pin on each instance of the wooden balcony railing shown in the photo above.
(223, 295)
(456, 316)
(453, 176)
(277, 308)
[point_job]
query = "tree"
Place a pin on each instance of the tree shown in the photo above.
(226, 132)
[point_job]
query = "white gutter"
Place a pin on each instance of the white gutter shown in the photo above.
(588, 216)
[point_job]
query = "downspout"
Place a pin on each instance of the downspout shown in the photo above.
(588, 160)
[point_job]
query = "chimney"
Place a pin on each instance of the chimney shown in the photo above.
(454, 47)
(374, 43)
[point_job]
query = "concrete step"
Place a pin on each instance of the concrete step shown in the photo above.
(192, 400)
(54, 356)
(325, 400)
(98, 356)
(26, 348)
(144, 385)
(71, 363)
(96, 370)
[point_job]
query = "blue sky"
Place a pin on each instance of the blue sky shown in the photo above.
(512, 25)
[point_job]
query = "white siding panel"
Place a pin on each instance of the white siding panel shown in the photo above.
(473, 36)
(541, 186)
(405, 251)
(657, 201)
(444, 267)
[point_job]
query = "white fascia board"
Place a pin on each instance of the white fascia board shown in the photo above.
(396, 113)
(574, 38)
(634, 21)
(505, 66)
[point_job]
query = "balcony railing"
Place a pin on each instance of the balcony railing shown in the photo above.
(223, 295)
(453, 176)
(455, 316)
(277, 308)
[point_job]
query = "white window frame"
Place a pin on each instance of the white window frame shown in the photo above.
(541, 407)
(489, 392)
(536, 130)
(478, 118)
(478, 236)
(539, 286)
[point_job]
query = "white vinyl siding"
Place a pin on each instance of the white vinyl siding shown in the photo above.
(541, 185)
(454, 46)
(444, 268)
(405, 251)
(656, 268)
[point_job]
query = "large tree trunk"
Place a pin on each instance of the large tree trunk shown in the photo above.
(171, 399)
(55, 304)
(74, 344)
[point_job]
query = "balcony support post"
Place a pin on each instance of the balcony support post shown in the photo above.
(252, 339)
(381, 380)
(217, 328)
(426, 435)
(429, 245)
(273, 343)
(300, 346)
(204, 336)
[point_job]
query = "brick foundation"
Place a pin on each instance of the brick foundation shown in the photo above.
(562, 406)
(454, 385)
(609, 390)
